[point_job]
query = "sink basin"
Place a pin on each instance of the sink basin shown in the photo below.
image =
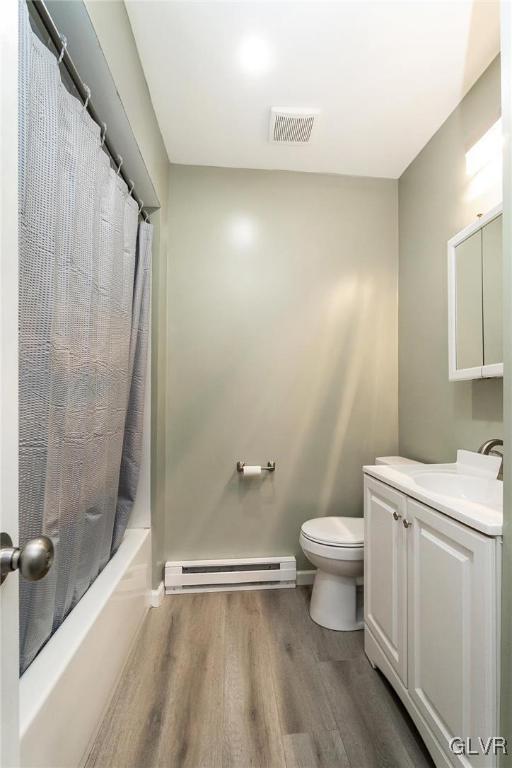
(467, 490)
(481, 490)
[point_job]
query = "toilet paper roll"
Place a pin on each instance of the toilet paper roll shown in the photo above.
(251, 471)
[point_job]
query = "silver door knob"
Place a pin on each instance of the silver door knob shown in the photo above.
(33, 561)
(406, 523)
(396, 516)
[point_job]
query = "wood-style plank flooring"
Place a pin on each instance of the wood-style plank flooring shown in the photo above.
(239, 679)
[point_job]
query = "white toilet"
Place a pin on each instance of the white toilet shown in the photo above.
(335, 545)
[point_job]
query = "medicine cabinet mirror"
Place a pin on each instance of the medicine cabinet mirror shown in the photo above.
(475, 288)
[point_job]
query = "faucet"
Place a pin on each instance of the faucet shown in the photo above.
(488, 449)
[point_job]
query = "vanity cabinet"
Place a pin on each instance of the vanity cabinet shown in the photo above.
(386, 573)
(431, 618)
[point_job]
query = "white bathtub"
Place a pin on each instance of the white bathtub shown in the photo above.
(66, 689)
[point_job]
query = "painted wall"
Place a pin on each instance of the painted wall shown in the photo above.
(436, 200)
(282, 326)
(115, 35)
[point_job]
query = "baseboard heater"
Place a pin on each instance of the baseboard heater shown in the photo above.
(227, 575)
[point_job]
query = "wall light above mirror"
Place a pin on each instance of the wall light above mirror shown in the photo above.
(484, 166)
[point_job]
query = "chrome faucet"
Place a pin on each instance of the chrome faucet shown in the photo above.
(489, 449)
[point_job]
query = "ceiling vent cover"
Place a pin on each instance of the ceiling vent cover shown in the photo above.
(291, 126)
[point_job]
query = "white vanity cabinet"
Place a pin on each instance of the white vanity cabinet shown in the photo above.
(431, 618)
(386, 573)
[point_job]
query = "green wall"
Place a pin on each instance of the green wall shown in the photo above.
(282, 321)
(436, 200)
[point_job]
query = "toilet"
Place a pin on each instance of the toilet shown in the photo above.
(335, 545)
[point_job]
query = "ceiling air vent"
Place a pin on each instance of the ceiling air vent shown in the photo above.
(291, 126)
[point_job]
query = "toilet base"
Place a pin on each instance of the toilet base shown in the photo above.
(334, 602)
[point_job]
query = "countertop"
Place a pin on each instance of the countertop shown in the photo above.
(482, 518)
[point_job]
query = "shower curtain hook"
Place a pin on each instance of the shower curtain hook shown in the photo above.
(103, 134)
(132, 184)
(140, 206)
(88, 96)
(64, 41)
(146, 218)
(120, 160)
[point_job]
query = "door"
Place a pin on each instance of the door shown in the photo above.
(9, 378)
(385, 564)
(452, 609)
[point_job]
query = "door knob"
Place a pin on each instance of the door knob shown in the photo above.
(396, 516)
(406, 523)
(33, 561)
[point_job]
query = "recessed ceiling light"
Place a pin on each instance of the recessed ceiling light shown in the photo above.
(242, 230)
(255, 56)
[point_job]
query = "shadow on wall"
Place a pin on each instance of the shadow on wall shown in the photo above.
(479, 400)
(487, 400)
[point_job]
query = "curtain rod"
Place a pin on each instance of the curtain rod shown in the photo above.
(59, 41)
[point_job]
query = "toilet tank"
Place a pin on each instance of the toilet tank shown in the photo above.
(394, 460)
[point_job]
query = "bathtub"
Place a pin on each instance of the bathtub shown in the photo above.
(66, 689)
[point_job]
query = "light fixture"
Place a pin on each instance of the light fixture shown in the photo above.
(486, 150)
(487, 183)
(484, 167)
(255, 56)
(242, 231)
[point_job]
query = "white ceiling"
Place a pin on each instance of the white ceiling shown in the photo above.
(384, 75)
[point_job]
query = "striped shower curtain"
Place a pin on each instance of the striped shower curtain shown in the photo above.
(84, 265)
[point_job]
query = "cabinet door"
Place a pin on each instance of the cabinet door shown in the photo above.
(452, 612)
(385, 563)
(492, 290)
(468, 303)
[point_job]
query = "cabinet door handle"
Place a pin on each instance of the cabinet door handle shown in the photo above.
(396, 516)
(406, 523)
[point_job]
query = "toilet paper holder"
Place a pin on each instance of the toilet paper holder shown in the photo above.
(271, 466)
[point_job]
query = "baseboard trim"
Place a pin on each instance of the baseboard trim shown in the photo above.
(305, 577)
(157, 596)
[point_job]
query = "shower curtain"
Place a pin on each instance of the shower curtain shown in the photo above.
(84, 265)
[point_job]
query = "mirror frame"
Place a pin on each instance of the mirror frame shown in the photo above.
(480, 371)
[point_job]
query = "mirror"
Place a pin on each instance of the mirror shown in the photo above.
(492, 290)
(475, 300)
(468, 277)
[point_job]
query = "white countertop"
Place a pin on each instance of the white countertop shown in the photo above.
(483, 518)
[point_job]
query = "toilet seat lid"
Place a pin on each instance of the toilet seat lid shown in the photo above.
(336, 531)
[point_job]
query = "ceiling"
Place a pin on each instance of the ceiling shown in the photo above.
(384, 76)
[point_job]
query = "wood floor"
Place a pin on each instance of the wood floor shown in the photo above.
(239, 679)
